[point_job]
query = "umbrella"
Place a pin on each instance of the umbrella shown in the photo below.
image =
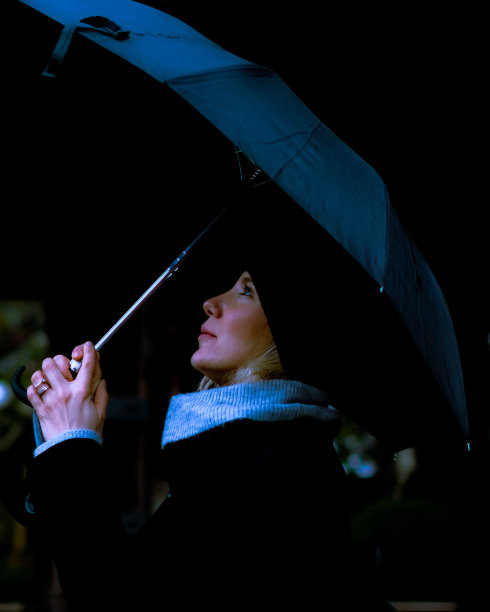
(263, 117)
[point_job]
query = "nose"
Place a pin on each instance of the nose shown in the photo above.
(213, 307)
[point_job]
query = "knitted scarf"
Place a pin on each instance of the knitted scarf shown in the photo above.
(190, 414)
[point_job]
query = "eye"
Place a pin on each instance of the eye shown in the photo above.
(247, 289)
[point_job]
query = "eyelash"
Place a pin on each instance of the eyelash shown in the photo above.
(247, 290)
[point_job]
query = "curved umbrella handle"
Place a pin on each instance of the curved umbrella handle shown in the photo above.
(17, 387)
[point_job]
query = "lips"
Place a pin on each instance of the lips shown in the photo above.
(205, 333)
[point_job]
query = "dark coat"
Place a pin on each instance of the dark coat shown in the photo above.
(255, 519)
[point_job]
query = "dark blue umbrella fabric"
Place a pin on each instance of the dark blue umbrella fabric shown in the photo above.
(262, 116)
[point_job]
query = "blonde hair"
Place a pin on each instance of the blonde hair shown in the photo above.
(265, 366)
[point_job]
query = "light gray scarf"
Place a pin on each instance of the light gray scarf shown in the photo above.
(190, 414)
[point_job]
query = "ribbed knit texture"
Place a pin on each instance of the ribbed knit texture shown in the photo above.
(42, 445)
(190, 414)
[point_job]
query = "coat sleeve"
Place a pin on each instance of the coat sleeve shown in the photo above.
(82, 527)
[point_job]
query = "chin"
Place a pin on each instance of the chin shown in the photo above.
(202, 366)
(198, 362)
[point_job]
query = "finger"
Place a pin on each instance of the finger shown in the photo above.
(89, 370)
(52, 373)
(63, 364)
(89, 373)
(40, 384)
(37, 378)
(101, 398)
(76, 360)
(77, 352)
(97, 373)
(34, 398)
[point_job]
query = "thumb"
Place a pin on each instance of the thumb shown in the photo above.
(101, 399)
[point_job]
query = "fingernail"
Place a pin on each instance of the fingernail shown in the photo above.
(36, 378)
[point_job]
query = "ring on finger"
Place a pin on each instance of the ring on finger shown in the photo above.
(42, 387)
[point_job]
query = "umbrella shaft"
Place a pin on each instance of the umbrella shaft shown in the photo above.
(141, 300)
(76, 365)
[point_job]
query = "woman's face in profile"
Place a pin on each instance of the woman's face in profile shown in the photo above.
(235, 333)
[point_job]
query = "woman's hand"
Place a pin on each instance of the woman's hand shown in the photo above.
(62, 403)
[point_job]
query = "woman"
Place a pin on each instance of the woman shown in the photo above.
(256, 513)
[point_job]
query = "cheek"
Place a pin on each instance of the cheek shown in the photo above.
(243, 339)
(236, 342)
(251, 336)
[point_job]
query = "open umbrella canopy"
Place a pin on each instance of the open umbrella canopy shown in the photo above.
(343, 195)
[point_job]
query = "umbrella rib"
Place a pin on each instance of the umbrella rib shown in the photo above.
(298, 151)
